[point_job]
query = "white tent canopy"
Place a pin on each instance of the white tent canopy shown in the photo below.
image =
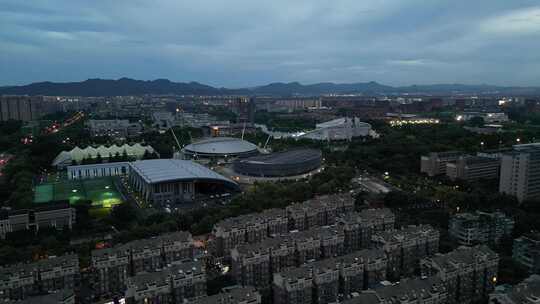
(77, 154)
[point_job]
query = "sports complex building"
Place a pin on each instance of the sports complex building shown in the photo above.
(219, 148)
(172, 181)
(288, 163)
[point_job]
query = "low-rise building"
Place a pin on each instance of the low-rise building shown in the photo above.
(435, 162)
(406, 247)
(526, 251)
(115, 128)
(469, 273)
(53, 215)
(480, 228)
(473, 168)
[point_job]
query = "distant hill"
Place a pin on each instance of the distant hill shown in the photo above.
(126, 86)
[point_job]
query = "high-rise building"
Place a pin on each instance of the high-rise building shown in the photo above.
(24, 108)
(520, 172)
(244, 108)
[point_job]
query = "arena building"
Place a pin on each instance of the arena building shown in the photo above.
(288, 163)
(168, 181)
(219, 148)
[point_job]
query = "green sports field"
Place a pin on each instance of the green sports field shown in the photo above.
(101, 191)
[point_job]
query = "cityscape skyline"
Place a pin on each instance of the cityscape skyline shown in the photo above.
(389, 42)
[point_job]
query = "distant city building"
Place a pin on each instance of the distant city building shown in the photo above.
(77, 155)
(198, 120)
(338, 129)
(488, 117)
(163, 120)
(526, 292)
(480, 228)
(473, 168)
(435, 162)
(520, 172)
(172, 284)
(244, 108)
(526, 252)
(469, 274)
(24, 108)
(115, 128)
(19, 282)
(54, 215)
(171, 181)
(405, 248)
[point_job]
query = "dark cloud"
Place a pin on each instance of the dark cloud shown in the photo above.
(245, 42)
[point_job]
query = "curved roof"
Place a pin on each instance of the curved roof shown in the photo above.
(221, 145)
(286, 157)
(163, 170)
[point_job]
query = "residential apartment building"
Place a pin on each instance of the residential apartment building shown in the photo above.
(173, 284)
(526, 252)
(251, 228)
(294, 286)
(471, 168)
(406, 247)
(234, 295)
(329, 280)
(358, 227)
(469, 273)
(58, 215)
(435, 162)
(526, 292)
(520, 172)
(112, 266)
(18, 282)
(66, 296)
(407, 291)
(480, 227)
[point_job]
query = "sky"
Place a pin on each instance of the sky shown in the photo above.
(241, 43)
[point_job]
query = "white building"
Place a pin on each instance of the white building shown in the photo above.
(66, 158)
(97, 170)
(520, 172)
(344, 128)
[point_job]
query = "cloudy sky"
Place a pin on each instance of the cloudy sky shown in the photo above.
(237, 43)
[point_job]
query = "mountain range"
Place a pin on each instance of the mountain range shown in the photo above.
(127, 86)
